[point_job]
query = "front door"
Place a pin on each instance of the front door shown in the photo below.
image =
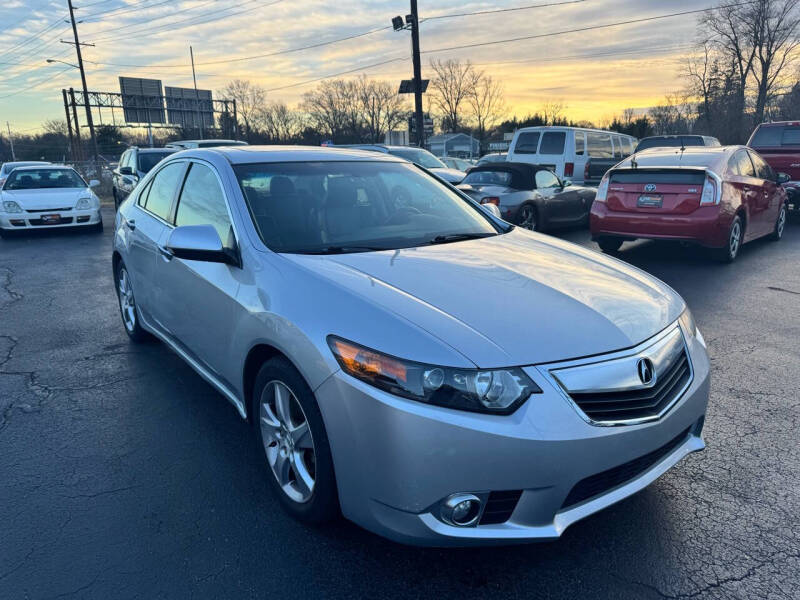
(770, 197)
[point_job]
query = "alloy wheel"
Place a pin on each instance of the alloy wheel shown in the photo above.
(735, 240)
(527, 217)
(781, 223)
(127, 303)
(288, 442)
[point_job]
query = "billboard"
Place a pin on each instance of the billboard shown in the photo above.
(186, 107)
(142, 100)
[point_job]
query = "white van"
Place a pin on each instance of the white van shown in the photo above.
(566, 150)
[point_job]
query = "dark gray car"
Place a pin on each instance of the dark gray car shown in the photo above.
(530, 196)
(134, 164)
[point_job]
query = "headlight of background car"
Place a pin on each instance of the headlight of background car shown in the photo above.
(496, 391)
(11, 207)
(690, 326)
(83, 204)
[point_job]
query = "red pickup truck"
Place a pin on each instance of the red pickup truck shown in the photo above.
(779, 144)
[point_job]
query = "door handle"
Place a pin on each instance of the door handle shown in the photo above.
(746, 188)
(165, 252)
(131, 224)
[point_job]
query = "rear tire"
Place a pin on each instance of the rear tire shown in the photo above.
(609, 245)
(729, 252)
(780, 224)
(294, 443)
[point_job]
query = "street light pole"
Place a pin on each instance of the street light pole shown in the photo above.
(89, 120)
(417, 75)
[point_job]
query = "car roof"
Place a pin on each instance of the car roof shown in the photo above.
(567, 127)
(691, 156)
(45, 166)
(264, 154)
(149, 150)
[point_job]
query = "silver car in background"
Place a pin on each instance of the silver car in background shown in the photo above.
(437, 375)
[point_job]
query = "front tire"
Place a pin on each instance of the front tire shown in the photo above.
(127, 306)
(292, 437)
(780, 224)
(609, 245)
(730, 251)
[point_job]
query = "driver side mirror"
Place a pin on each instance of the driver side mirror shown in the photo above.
(126, 171)
(566, 183)
(201, 242)
(782, 178)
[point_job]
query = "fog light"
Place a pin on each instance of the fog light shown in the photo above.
(461, 510)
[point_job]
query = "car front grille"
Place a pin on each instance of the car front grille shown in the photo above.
(601, 483)
(47, 210)
(41, 223)
(638, 404)
(499, 507)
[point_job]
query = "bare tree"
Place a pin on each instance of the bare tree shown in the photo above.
(55, 127)
(672, 117)
(488, 104)
(250, 101)
(381, 106)
(279, 122)
(329, 108)
(552, 111)
(452, 84)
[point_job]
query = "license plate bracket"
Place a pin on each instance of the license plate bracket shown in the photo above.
(650, 201)
(51, 219)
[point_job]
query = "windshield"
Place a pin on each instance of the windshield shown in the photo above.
(331, 207)
(422, 158)
(148, 160)
(30, 179)
(490, 177)
(669, 142)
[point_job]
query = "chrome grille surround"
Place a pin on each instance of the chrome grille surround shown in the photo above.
(617, 374)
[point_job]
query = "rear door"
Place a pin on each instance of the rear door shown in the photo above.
(526, 147)
(742, 177)
(673, 192)
(552, 150)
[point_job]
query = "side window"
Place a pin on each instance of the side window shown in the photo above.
(142, 199)
(162, 190)
(599, 145)
(553, 142)
(202, 202)
(628, 147)
(123, 160)
(617, 146)
(744, 165)
(546, 179)
(527, 143)
(580, 143)
(763, 170)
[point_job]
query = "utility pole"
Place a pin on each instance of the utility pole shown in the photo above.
(196, 96)
(420, 119)
(83, 82)
(11, 141)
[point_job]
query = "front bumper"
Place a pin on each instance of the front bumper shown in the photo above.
(396, 460)
(708, 225)
(30, 220)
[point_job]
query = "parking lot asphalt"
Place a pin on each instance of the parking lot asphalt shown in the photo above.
(124, 475)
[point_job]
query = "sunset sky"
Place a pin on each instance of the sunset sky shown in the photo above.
(596, 73)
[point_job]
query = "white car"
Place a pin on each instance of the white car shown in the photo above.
(48, 196)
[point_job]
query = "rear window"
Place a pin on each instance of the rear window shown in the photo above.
(791, 136)
(599, 145)
(489, 177)
(768, 136)
(527, 143)
(553, 142)
(645, 177)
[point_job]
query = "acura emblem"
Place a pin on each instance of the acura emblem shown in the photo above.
(650, 187)
(647, 372)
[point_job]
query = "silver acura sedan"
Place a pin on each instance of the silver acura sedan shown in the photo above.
(436, 375)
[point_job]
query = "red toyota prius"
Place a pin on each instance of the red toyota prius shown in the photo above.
(718, 197)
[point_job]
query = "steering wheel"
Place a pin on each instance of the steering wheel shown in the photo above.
(402, 214)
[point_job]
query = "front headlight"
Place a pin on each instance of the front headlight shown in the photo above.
(689, 326)
(83, 204)
(11, 207)
(495, 391)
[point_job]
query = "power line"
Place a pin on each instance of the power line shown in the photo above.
(47, 77)
(170, 14)
(499, 10)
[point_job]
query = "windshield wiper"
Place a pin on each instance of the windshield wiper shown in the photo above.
(342, 250)
(457, 237)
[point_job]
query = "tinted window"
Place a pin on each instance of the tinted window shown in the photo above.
(148, 160)
(490, 177)
(741, 165)
(527, 143)
(599, 145)
(162, 190)
(422, 158)
(553, 142)
(202, 202)
(30, 179)
(791, 136)
(580, 143)
(767, 136)
(763, 170)
(546, 179)
(352, 206)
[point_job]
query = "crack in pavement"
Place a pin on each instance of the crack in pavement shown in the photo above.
(6, 287)
(780, 289)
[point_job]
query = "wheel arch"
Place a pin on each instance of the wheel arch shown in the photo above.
(256, 357)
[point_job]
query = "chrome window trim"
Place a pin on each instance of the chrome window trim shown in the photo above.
(546, 370)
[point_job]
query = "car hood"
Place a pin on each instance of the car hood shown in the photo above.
(38, 199)
(449, 175)
(515, 299)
